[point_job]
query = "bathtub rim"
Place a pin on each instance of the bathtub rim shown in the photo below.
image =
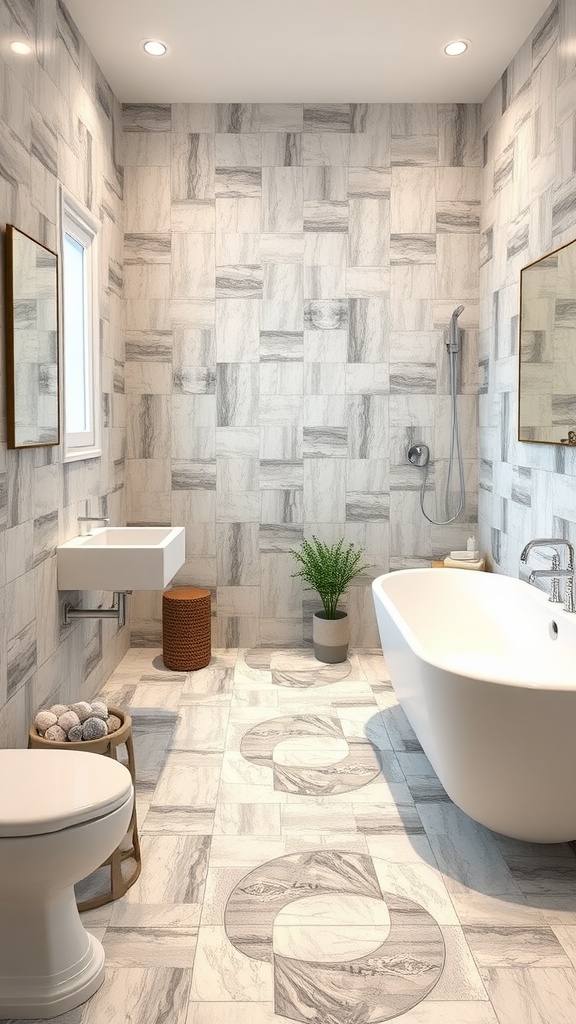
(559, 614)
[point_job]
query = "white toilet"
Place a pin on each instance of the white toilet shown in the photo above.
(62, 813)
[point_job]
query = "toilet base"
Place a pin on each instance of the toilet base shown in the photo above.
(32, 998)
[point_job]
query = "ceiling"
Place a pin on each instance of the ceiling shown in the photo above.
(315, 51)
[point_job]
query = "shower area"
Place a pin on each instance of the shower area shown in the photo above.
(290, 275)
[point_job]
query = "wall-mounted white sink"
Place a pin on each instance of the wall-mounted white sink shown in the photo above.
(121, 558)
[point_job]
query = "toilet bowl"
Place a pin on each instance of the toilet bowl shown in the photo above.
(62, 813)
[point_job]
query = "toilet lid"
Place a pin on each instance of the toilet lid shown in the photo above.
(47, 790)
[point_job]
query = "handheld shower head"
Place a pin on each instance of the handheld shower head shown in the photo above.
(453, 343)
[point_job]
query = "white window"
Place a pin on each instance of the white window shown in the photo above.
(80, 330)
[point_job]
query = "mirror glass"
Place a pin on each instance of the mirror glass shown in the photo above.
(547, 388)
(32, 341)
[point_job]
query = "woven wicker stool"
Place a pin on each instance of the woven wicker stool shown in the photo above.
(130, 846)
(186, 628)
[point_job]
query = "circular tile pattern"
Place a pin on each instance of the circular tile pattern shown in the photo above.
(357, 768)
(384, 982)
(296, 667)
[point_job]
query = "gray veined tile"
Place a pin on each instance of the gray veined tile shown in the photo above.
(457, 216)
(325, 183)
(140, 991)
(412, 248)
(543, 995)
(234, 248)
(192, 166)
(369, 182)
(147, 248)
(282, 378)
(281, 149)
(239, 281)
(361, 507)
(237, 390)
(174, 870)
(281, 117)
(238, 182)
(150, 947)
(281, 506)
(275, 474)
(146, 117)
(467, 852)
(281, 346)
(543, 875)
(369, 321)
(247, 819)
(149, 346)
(327, 117)
(281, 247)
(326, 215)
(411, 378)
(414, 150)
(282, 199)
(324, 442)
(237, 150)
(513, 946)
(238, 118)
(188, 476)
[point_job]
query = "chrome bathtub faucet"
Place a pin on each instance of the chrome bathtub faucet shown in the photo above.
(555, 573)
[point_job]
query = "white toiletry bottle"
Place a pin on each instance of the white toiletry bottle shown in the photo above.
(471, 544)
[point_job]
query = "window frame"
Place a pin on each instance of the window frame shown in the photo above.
(78, 222)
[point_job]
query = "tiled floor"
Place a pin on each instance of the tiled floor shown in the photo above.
(302, 862)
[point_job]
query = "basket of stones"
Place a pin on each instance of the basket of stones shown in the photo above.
(86, 724)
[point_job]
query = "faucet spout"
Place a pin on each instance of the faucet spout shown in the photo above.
(555, 573)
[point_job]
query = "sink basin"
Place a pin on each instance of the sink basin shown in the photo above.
(121, 558)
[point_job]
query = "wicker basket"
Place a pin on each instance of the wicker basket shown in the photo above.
(186, 628)
(129, 849)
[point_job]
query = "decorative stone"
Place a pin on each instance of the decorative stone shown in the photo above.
(75, 734)
(56, 734)
(93, 729)
(68, 720)
(113, 723)
(43, 721)
(99, 709)
(59, 709)
(83, 709)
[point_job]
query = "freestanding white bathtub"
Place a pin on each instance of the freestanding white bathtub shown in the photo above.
(485, 668)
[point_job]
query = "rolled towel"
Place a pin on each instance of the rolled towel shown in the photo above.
(99, 709)
(43, 721)
(94, 728)
(75, 734)
(113, 723)
(68, 720)
(83, 709)
(56, 734)
(59, 709)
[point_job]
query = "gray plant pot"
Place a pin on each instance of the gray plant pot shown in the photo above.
(331, 637)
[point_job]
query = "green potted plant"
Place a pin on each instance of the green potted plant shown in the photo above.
(328, 569)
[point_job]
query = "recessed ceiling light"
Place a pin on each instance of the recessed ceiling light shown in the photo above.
(154, 47)
(19, 47)
(455, 48)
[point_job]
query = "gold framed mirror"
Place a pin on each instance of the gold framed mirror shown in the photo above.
(547, 349)
(32, 353)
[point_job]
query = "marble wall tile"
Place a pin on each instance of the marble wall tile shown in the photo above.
(303, 238)
(237, 389)
(369, 232)
(282, 199)
(281, 149)
(238, 330)
(324, 490)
